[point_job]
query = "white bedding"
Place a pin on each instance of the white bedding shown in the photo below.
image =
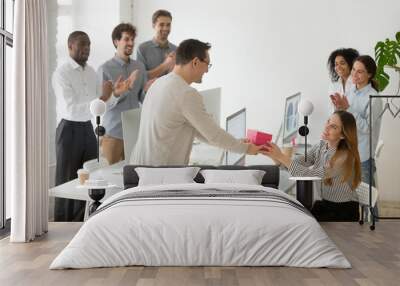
(200, 231)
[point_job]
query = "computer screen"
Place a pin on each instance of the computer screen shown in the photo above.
(291, 118)
(236, 126)
(130, 129)
(212, 102)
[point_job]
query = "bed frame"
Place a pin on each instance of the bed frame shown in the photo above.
(270, 179)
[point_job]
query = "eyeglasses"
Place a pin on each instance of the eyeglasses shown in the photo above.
(208, 63)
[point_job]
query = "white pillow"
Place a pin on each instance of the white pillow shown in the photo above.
(165, 176)
(249, 177)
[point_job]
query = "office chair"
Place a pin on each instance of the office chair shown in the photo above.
(130, 130)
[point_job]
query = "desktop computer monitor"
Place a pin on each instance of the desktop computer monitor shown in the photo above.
(212, 102)
(130, 129)
(291, 119)
(236, 126)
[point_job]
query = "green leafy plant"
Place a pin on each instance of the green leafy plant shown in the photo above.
(387, 54)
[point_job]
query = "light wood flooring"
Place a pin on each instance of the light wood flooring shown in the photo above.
(374, 255)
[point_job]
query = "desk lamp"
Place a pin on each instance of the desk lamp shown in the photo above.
(305, 108)
(98, 108)
(304, 185)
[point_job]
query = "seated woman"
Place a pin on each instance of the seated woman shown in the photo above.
(336, 160)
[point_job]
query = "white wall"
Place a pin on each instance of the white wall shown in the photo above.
(266, 50)
(387, 164)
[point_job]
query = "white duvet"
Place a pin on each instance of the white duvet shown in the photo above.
(200, 231)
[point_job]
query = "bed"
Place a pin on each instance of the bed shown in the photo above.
(198, 224)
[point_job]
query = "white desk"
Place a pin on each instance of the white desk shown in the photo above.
(69, 190)
(204, 154)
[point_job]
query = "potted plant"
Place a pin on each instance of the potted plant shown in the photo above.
(387, 54)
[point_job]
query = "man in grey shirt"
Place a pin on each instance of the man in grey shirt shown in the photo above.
(173, 113)
(121, 66)
(158, 54)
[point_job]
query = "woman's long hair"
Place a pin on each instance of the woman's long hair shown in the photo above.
(371, 68)
(348, 149)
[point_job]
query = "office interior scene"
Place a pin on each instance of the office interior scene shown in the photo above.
(148, 142)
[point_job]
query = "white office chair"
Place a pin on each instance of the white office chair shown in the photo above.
(363, 199)
(130, 129)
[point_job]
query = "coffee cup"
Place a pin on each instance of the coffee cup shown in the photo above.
(83, 175)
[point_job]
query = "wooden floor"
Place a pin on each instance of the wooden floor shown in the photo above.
(374, 255)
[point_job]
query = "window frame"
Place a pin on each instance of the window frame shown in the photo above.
(6, 39)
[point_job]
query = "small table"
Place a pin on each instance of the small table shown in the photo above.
(304, 190)
(96, 193)
(69, 190)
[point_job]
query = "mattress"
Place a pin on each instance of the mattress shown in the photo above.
(201, 225)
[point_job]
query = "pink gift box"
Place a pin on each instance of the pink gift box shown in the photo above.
(257, 137)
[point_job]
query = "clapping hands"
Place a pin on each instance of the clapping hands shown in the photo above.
(121, 86)
(107, 90)
(169, 61)
(148, 84)
(339, 101)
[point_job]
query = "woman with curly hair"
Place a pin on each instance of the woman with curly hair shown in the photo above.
(339, 64)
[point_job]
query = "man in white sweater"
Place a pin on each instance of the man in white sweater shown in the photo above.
(173, 114)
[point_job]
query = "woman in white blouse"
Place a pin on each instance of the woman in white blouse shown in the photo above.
(340, 62)
(336, 160)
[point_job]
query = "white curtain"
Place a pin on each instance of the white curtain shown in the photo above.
(27, 153)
